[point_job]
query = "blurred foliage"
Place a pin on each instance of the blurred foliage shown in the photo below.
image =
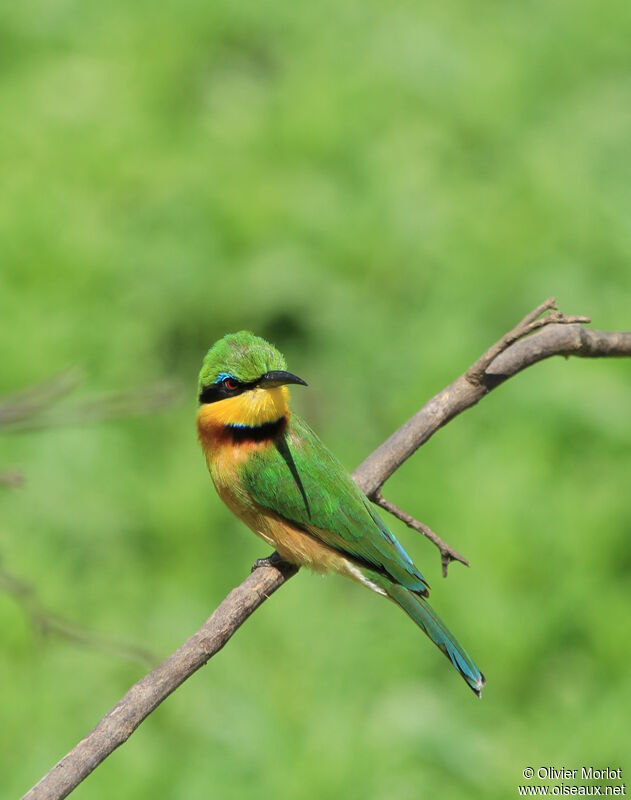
(382, 190)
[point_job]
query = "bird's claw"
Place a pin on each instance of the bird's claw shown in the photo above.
(272, 560)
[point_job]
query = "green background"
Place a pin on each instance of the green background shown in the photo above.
(382, 190)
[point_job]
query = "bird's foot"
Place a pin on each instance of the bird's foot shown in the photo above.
(274, 560)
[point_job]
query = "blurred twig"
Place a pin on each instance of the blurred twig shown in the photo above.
(31, 402)
(42, 406)
(520, 348)
(12, 478)
(39, 407)
(49, 624)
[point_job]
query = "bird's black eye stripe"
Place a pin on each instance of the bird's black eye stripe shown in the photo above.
(229, 387)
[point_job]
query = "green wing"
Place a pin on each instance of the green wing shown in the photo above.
(301, 480)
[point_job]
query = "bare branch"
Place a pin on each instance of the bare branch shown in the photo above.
(146, 695)
(529, 323)
(571, 340)
(559, 336)
(552, 340)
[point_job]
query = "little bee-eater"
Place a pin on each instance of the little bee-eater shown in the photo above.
(273, 472)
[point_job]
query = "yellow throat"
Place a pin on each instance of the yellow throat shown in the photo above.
(252, 408)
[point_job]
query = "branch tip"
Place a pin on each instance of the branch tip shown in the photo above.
(531, 322)
(447, 553)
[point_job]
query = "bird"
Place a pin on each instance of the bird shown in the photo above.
(275, 474)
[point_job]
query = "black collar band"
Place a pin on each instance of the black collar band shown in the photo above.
(257, 433)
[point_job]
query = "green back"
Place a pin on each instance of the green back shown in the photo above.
(299, 479)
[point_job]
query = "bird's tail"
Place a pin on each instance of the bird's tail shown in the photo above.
(421, 612)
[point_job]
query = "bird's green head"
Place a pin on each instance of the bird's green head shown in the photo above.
(246, 377)
(242, 356)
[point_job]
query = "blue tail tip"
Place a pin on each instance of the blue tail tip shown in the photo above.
(477, 685)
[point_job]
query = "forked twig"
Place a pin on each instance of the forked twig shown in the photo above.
(50, 624)
(530, 323)
(447, 553)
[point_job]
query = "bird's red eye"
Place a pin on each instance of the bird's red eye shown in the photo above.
(230, 384)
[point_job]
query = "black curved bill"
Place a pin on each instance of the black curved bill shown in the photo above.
(279, 377)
